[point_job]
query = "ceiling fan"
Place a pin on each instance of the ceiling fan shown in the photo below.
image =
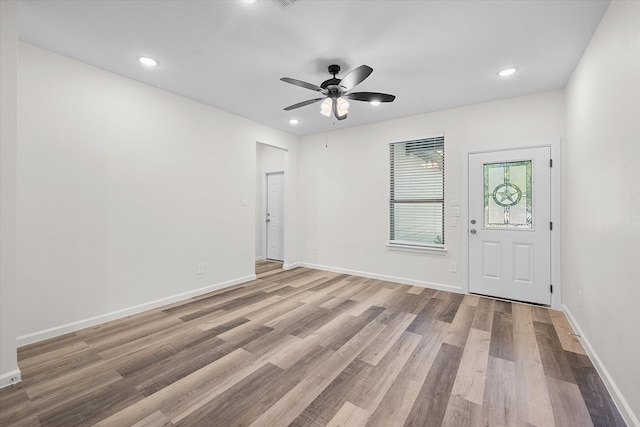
(336, 92)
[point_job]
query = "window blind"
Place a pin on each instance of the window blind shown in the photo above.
(416, 202)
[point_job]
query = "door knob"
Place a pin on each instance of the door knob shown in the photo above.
(473, 221)
(473, 231)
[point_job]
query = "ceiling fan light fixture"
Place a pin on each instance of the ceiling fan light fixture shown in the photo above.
(342, 107)
(326, 106)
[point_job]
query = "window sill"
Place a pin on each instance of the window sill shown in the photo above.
(433, 250)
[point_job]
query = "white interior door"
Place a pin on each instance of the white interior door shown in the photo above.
(509, 224)
(275, 216)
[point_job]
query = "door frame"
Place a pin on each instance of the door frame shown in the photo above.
(556, 254)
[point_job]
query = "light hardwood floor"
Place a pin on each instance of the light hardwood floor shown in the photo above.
(312, 348)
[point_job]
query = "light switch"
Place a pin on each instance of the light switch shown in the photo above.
(454, 201)
(453, 222)
(455, 211)
(244, 201)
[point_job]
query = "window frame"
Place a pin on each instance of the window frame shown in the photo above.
(437, 140)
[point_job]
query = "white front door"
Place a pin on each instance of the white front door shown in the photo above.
(509, 224)
(275, 216)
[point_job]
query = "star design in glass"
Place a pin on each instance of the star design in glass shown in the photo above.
(507, 193)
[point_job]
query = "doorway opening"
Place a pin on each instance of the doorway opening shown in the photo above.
(270, 202)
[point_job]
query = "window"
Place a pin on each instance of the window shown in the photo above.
(507, 195)
(416, 202)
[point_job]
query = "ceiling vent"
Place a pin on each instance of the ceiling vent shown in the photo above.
(285, 4)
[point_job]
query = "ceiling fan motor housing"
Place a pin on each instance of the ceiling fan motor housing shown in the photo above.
(332, 85)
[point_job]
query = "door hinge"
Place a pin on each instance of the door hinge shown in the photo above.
(551, 288)
(550, 225)
(550, 163)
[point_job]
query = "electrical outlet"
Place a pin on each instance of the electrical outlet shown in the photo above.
(453, 267)
(200, 268)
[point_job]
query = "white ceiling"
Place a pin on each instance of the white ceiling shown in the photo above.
(432, 55)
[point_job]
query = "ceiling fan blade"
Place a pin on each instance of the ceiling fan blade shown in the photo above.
(355, 77)
(302, 104)
(300, 83)
(370, 96)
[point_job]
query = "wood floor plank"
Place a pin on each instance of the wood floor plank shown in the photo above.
(483, 319)
(300, 396)
(229, 409)
(499, 405)
(329, 402)
(45, 346)
(299, 348)
(396, 405)
(452, 305)
(534, 401)
(601, 407)
(553, 358)
(374, 298)
(472, 375)
(305, 347)
(166, 372)
(432, 400)
(385, 372)
(386, 339)
(502, 336)
(82, 411)
(458, 332)
(157, 419)
(356, 324)
(461, 412)
(411, 303)
(191, 392)
(415, 290)
(569, 409)
(568, 338)
(471, 300)
(349, 415)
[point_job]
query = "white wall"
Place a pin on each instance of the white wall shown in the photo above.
(268, 160)
(122, 190)
(9, 372)
(601, 240)
(344, 187)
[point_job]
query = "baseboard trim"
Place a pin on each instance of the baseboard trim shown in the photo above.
(405, 281)
(10, 378)
(623, 406)
(92, 321)
(291, 266)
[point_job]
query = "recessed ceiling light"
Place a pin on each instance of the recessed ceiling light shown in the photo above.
(294, 121)
(507, 72)
(374, 102)
(149, 62)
